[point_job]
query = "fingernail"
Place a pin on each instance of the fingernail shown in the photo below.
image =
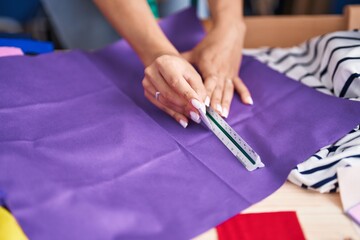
(198, 105)
(205, 120)
(249, 100)
(219, 108)
(194, 116)
(207, 101)
(183, 123)
(225, 113)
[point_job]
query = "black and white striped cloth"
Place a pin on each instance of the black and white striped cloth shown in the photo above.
(331, 64)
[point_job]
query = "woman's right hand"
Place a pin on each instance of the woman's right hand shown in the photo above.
(181, 92)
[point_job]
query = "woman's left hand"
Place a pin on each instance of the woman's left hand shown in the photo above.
(218, 58)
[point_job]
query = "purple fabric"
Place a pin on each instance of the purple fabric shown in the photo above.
(83, 155)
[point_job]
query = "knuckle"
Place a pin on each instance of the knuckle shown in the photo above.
(147, 72)
(145, 83)
(219, 87)
(195, 77)
(213, 78)
(187, 94)
(173, 114)
(166, 102)
(229, 87)
(210, 80)
(216, 99)
(209, 90)
(174, 82)
(165, 95)
(229, 81)
(171, 98)
(210, 86)
(226, 102)
(159, 61)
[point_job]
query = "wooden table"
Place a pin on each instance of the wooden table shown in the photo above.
(320, 215)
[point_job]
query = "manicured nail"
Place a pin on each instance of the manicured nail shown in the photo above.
(198, 105)
(249, 100)
(205, 120)
(225, 112)
(195, 117)
(207, 101)
(183, 123)
(219, 108)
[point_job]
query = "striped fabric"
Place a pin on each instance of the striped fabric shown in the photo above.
(330, 64)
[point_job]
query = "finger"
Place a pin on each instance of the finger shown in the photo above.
(243, 91)
(151, 91)
(182, 87)
(180, 118)
(227, 97)
(148, 86)
(195, 81)
(216, 96)
(193, 115)
(193, 75)
(159, 83)
(210, 84)
(164, 101)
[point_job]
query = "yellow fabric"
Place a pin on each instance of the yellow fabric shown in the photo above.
(9, 228)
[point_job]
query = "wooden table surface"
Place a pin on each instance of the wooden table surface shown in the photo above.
(320, 215)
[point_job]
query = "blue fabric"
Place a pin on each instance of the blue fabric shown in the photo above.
(28, 46)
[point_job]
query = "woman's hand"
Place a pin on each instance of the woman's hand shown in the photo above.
(218, 58)
(174, 86)
(170, 82)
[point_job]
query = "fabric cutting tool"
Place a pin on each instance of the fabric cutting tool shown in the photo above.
(229, 137)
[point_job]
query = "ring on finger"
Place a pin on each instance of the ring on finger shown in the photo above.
(157, 94)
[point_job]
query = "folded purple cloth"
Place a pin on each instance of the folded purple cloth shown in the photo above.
(83, 155)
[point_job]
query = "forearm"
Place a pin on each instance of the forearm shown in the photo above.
(226, 12)
(134, 21)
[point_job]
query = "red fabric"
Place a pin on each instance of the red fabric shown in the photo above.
(253, 226)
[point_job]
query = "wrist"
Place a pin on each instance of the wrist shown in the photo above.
(154, 53)
(232, 30)
(226, 23)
